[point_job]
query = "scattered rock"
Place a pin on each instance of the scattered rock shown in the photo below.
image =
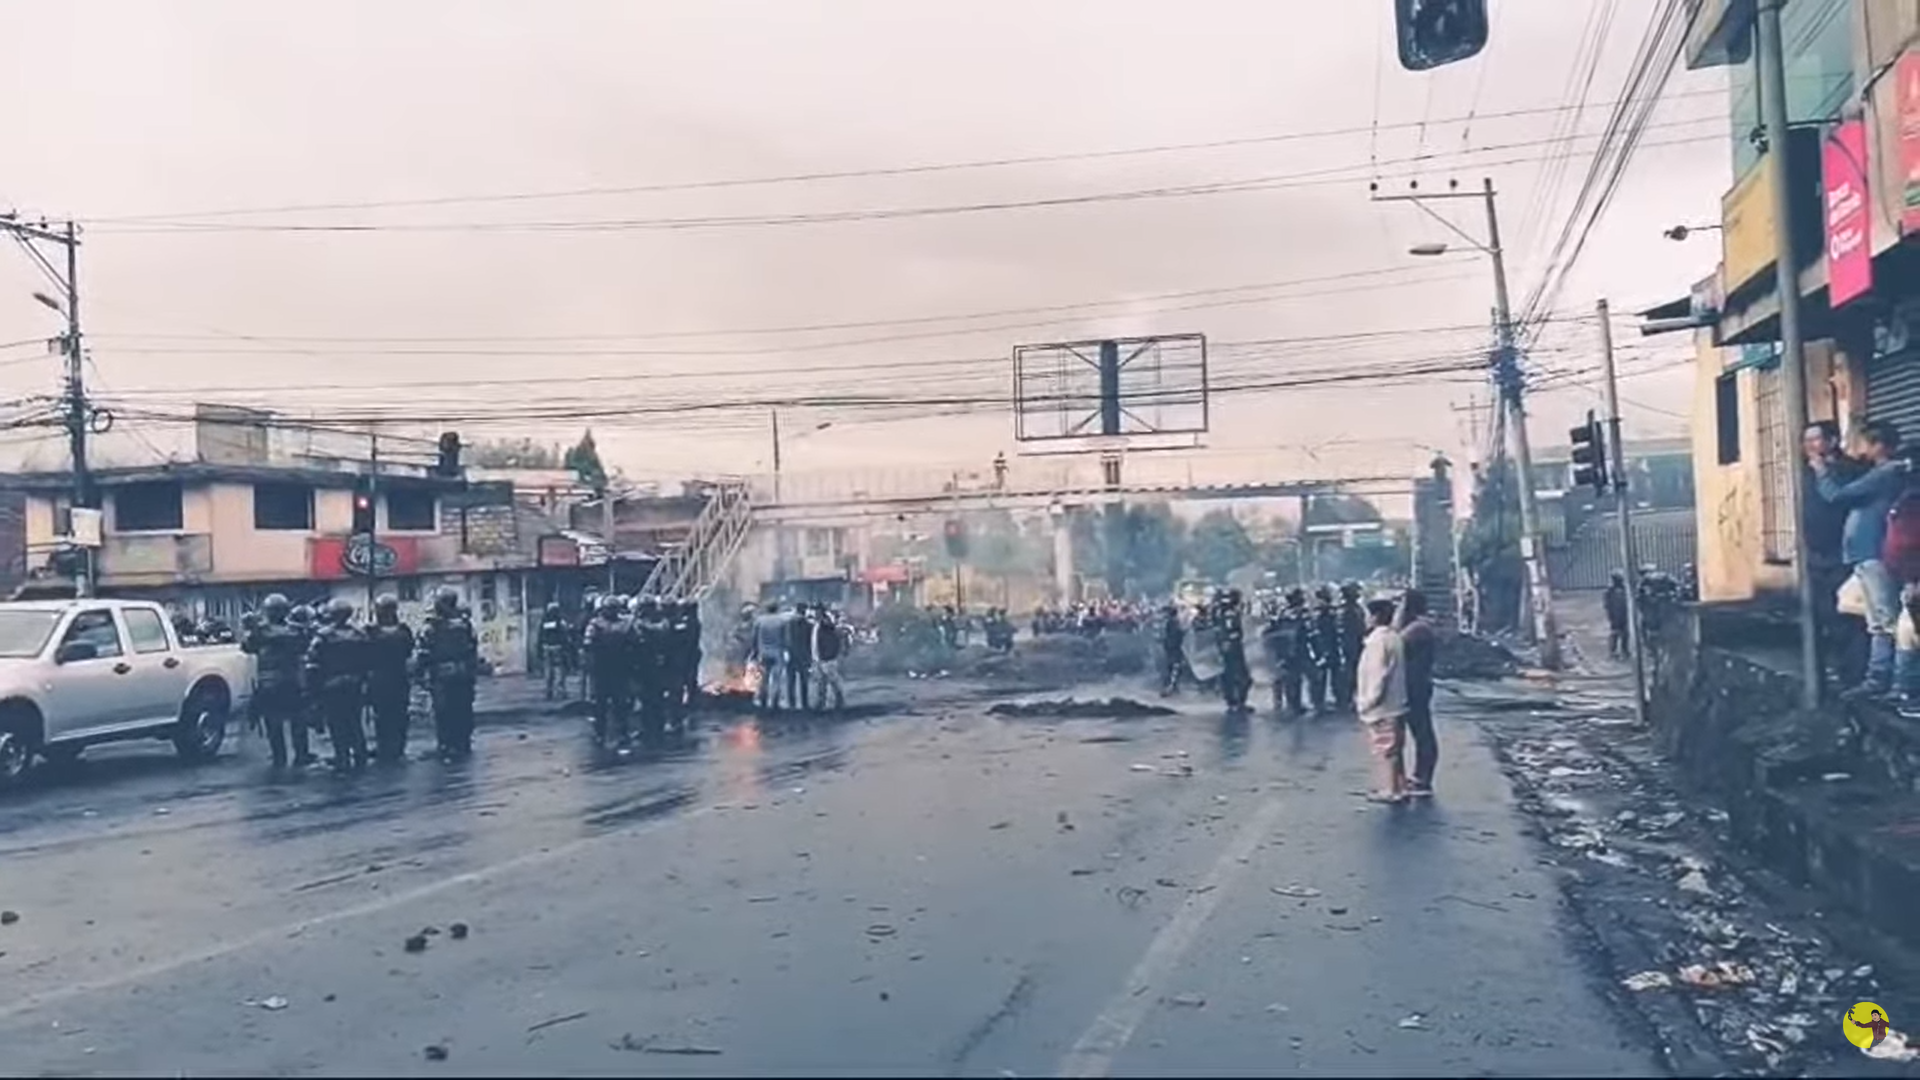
(1647, 980)
(1336, 911)
(1188, 1001)
(458, 931)
(881, 930)
(8, 918)
(417, 943)
(1117, 708)
(435, 1052)
(1416, 1022)
(271, 1004)
(1302, 892)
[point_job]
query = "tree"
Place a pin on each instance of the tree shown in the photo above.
(1341, 510)
(1218, 545)
(1490, 545)
(514, 454)
(1140, 551)
(584, 460)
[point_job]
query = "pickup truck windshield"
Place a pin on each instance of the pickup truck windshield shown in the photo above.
(24, 633)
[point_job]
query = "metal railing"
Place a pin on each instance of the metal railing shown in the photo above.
(690, 571)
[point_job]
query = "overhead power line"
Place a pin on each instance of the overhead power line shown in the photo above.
(829, 175)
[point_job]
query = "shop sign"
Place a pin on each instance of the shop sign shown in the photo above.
(331, 558)
(1843, 166)
(1907, 76)
(1746, 228)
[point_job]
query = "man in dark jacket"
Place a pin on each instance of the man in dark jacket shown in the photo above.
(609, 664)
(800, 657)
(1616, 603)
(1867, 499)
(1843, 638)
(1420, 646)
(337, 670)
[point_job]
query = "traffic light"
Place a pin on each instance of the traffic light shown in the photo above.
(956, 538)
(449, 463)
(1432, 33)
(363, 507)
(1590, 455)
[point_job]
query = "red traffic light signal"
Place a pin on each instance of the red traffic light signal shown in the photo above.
(956, 534)
(363, 516)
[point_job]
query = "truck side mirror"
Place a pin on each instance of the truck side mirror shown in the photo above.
(75, 651)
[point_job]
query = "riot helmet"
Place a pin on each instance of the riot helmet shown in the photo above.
(275, 607)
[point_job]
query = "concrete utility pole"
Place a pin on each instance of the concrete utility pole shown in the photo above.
(1624, 500)
(1506, 373)
(1769, 59)
(78, 414)
(774, 416)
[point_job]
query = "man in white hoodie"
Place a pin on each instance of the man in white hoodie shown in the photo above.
(1381, 700)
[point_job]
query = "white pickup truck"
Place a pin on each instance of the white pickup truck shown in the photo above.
(78, 672)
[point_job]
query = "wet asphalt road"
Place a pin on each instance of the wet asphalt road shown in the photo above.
(925, 890)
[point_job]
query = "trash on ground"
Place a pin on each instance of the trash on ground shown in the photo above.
(458, 931)
(1303, 892)
(652, 1045)
(1188, 1001)
(1719, 975)
(1694, 881)
(436, 1052)
(417, 943)
(1647, 980)
(880, 930)
(1140, 766)
(8, 918)
(271, 1004)
(1416, 1022)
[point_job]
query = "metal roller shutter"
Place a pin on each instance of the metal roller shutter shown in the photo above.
(1893, 391)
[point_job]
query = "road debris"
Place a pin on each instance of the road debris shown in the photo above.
(1115, 708)
(8, 918)
(1188, 1001)
(1301, 892)
(458, 931)
(1140, 766)
(881, 930)
(271, 1004)
(651, 1045)
(1719, 975)
(1647, 980)
(436, 1051)
(416, 944)
(1415, 1022)
(556, 1021)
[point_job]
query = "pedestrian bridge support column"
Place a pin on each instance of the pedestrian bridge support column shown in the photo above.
(1062, 552)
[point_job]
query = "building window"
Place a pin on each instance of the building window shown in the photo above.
(62, 515)
(283, 506)
(153, 506)
(1726, 416)
(145, 630)
(411, 511)
(819, 543)
(1777, 459)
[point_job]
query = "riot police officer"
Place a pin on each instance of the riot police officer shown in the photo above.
(652, 652)
(1173, 650)
(1230, 632)
(1285, 639)
(609, 666)
(1323, 649)
(1353, 636)
(448, 656)
(684, 692)
(337, 672)
(556, 648)
(279, 651)
(389, 649)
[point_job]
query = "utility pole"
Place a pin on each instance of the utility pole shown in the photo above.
(78, 413)
(774, 416)
(1624, 500)
(373, 490)
(1507, 378)
(1769, 58)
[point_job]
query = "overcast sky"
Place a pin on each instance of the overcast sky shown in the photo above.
(151, 121)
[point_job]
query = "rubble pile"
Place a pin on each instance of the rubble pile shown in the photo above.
(1466, 656)
(1116, 708)
(1766, 993)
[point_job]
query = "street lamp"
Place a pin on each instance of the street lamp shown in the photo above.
(1434, 247)
(57, 307)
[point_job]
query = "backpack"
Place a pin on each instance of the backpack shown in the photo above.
(1901, 549)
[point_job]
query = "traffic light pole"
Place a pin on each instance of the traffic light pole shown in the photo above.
(1624, 500)
(373, 491)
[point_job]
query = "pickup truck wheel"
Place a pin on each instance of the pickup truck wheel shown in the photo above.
(203, 725)
(14, 757)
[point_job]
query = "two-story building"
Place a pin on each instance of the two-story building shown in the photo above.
(215, 534)
(1853, 166)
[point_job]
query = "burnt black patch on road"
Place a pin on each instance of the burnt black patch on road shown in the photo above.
(1116, 708)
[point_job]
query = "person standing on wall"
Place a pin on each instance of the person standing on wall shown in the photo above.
(1867, 499)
